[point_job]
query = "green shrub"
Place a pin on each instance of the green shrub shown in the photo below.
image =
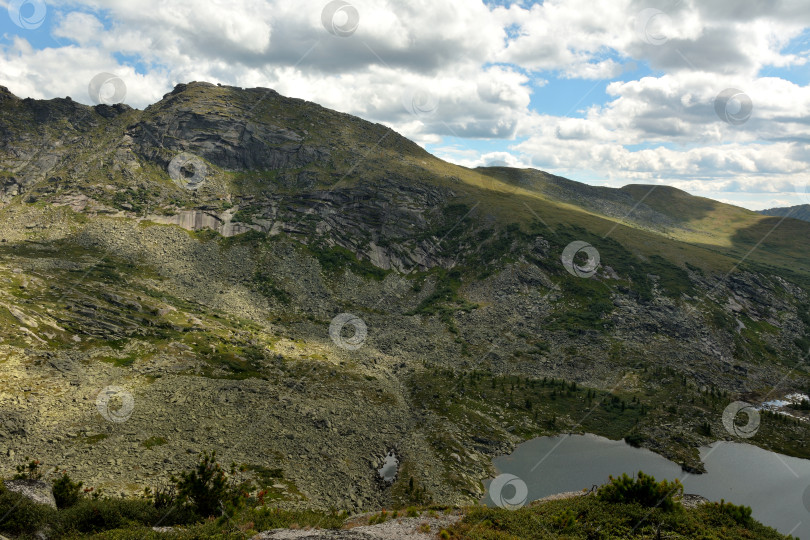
(635, 439)
(29, 471)
(740, 514)
(88, 515)
(245, 215)
(336, 259)
(266, 285)
(163, 497)
(564, 520)
(20, 515)
(97, 515)
(66, 492)
(804, 405)
(206, 488)
(275, 518)
(643, 490)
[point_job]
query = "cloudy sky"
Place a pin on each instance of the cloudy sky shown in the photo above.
(710, 96)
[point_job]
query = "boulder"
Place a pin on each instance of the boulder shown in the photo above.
(38, 491)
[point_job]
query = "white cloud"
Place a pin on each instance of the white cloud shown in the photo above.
(472, 159)
(437, 68)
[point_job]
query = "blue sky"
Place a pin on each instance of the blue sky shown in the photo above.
(609, 92)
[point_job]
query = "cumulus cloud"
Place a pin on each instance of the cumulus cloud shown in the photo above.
(472, 159)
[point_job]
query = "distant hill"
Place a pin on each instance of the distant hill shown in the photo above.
(801, 211)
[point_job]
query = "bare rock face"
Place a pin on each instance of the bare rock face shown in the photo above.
(9, 188)
(36, 490)
(691, 500)
(222, 132)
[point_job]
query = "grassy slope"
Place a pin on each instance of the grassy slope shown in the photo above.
(712, 235)
(715, 238)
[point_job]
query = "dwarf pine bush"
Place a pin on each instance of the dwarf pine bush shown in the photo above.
(643, 490)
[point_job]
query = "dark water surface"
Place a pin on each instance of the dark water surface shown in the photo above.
(773, 485)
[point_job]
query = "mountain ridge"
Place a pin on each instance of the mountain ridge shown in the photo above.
(265, 106)
(799, 211)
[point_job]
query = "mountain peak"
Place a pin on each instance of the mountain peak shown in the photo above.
(5, 94)
(204, 87)
(179, 88)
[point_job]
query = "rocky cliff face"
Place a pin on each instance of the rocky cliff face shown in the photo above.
(196, 255)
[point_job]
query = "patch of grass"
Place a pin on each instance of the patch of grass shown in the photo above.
(126, 361)
(640, 276)
(248, 238)
(136, 199)
(672, 280)
(452, 223)
(273, 518)
(245, 215)
(239, 361)
(93, 439)
(269, 288)
(336, 259)
(493, 247)
(407, 491)
(445, 299)
(266, 476)
(152, 442)
(205, 235)
(752, 340)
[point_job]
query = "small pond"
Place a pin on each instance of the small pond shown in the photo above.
(773, 485)
(388, 472)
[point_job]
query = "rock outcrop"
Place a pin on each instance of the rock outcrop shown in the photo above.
(38, 491)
